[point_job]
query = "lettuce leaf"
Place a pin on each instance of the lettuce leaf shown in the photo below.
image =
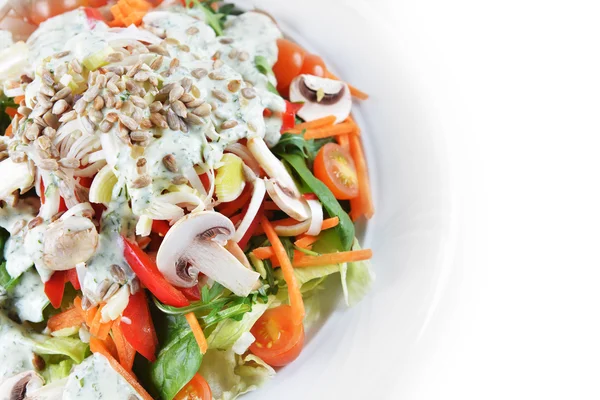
(227, 332)
(357, 279)
(57, 371)
(71, 347)
(231, 376)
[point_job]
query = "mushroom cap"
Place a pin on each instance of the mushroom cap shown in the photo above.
(321, 97)
(16, 387)
(294, 206)
(195, 244)
(68, 242)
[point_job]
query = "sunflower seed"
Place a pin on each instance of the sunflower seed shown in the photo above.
(114, 288)
(47, 78)
(76, 66)
(129, 122)
(193, 119)
(156, 106)
(141, 182)
(203, 110)
(170, 163)
(184, 47)
(50, 120)
(186, 83)
(137, 115)
(216, 76)
(134, 286)
(68, 116)
(61, 94)
(91, 94)
(192, 30)
(117, 273)
(48, 164)
(173, 64)
(96, 116)
(158, 49)
(118, 103)
(179, 108)
(132, 87)
(244, 56)
(119, 70)
(234, 85)
(183, 126)
(92, 77)
(113, 88)
(112, 117)
(229, 124)
(220, 95)
(60, 107)
(134, 69)
(158, 120)
(176, 93)
(106, 126)
(233, 53)
(32, 132)
(114, 57)
(47, 90)
(194, 103)
(142, 76)
(35, 222)
(199, 73)
(44, 102)
(87, 125)
(140, 136)
(172, 120)
(98, 103)
(24, 111)
(167, 88)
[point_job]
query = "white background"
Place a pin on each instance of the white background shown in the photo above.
(517, 95)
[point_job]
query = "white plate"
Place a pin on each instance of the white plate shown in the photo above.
(367, 352)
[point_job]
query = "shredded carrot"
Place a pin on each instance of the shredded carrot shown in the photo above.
(65, 319)
(355, 209)
(19, 99)
(98, 346)
(333, 258)
(262, 253)
(354, 91)
(344, 141)
(90, 314)
(129, 12)
(229, 209)
(306, 241)
(295, 296)
(11, 111)
(271, 206)
(9, 131)
(330, 223)
(364, 187)
(98, 328)
(197, 330)
(236, 218)
(125, 351)
(317, 123)
(345, 128)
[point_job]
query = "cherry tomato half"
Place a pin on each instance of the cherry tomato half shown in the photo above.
(313, 65)
(278, 340)
(335, 168)
(196, 389)
(289, 63)
(41, 10)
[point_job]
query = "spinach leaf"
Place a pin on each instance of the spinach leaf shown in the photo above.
(215, 19)
(4, 117)
(292, 143)
(345, 229)
(6, 281)
(178, 360)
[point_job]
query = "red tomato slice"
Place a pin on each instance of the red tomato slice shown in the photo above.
(335, 167)
(71, 276)
(147, 271)
(41, 10)
(289, 63)
(278, 340)
(55, 288)
(313, 65)
(196, 389)
(140, 331)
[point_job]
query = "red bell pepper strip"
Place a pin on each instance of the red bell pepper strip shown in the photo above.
(137, 327)
(252, 228)
(161, 227)
(71, 276)
(55, 288)
(192, 294)
(93, 16)
(289, 116)
(145, 269)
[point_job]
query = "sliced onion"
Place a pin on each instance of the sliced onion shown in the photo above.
(18, 91)
(316, 220)
(242, 152)
(96, 156)
(191, 175)
(77, 210)
(90, 170)
(164, 211)
(115, 306)
(66, 130)
(180, 198)
(52, 198)
(258, 194)
(110, 149)
(271, 164)
(144, 226)
(293, 230)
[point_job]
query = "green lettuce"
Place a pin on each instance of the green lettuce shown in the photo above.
(71, 347)
(227, 332)
(57, 371)
(230, 375)
(357, 279)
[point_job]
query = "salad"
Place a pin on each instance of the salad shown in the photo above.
(178, 183)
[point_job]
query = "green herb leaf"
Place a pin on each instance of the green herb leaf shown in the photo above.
(292, 143)
(262, 65)
(5, 119)
(178, 360)
(271, 88)
(345, 228)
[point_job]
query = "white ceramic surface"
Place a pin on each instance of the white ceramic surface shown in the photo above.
(363, 352)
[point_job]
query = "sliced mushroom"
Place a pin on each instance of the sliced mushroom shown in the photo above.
(195, 245)
(69, 242)
(17, 386)
(294, 206)
(321, 97)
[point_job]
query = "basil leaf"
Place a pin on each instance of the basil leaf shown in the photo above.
(345, 228)
(178, 360)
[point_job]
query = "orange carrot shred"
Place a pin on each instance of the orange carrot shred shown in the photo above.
(317, 123)
(271, 206)
(19, 99)
(344, 141)
(197, 330)
(295, 296)
(364, 187)
(98, 346)
(333, 258)
(345, 128)
(262, 253)
(306, 242)
(9, 131)
(125, 351)
(65, 319)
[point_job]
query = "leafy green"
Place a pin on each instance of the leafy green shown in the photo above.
(357, 279)
(64, 346)
(215, 20)
(5, 119)
(227, 332)
(57, 371)
(6, 281)
(230, 376)
(178, 360)
(345, 228)
(292, 143)
(271, 88)
(262, 65)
